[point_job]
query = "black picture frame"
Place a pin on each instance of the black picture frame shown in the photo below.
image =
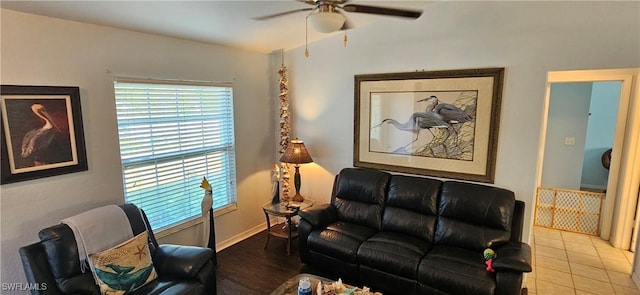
(42, 133)
(390, 112)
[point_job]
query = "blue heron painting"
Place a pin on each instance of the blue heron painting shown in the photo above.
(399, 121)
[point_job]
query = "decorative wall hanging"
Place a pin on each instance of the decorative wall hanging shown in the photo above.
(285, 131)
(438, 123)
(42, 132)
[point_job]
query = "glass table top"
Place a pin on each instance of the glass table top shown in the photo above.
(287, 207)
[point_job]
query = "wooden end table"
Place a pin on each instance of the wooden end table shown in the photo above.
(285, 230)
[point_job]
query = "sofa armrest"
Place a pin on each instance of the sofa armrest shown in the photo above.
(514, 256)
(319, 216)
(182, 261)
(36, 269)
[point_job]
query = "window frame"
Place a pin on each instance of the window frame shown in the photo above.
(229, 152)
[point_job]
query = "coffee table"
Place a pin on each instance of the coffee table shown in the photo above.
(290, 287)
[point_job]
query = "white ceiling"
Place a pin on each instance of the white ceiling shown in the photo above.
(226, 23)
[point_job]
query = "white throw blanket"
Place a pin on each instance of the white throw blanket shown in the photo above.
(97, 230)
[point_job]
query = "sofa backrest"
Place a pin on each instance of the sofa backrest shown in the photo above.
(359, 195)
(412, 205)
(474, 216)
(62, 255)
(61, 252)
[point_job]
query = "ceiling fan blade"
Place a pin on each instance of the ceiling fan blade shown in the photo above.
(270, 16)
(408, 13)
(310, 2)
(320, 2)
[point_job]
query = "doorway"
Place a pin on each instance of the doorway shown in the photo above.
(617, 222)
(580, 127)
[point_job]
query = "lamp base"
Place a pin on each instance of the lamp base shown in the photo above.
(297, 198)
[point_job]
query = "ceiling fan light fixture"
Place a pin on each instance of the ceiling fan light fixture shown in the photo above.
(326, 22)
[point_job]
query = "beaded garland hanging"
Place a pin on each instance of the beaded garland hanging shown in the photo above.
(285, 131)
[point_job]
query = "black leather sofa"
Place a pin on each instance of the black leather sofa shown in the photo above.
(414, 235)
(53, 265)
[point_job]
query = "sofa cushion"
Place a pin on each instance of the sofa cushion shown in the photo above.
(340, 240)
(359, 196)
(411, 206)
(454, 270)
(164, 286)
(394, 253)
(474, 216)
(385, 282)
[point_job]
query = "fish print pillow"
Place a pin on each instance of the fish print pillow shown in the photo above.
(125, 267)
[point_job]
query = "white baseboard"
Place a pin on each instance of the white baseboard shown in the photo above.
(240, 237)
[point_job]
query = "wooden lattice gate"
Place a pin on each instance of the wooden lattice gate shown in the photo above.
(569, 210)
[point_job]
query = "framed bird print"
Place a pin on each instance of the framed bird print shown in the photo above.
(42, 133)
(435, 123)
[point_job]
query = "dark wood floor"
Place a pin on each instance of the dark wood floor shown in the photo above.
(247, 268)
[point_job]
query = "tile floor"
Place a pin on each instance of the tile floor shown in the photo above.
(569, 263)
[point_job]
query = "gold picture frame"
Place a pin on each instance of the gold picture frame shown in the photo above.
(435, 123)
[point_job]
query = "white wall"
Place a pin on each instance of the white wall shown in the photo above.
(45, 51)
(527, 38)
(568, 115)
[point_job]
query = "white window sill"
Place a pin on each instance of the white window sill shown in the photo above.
(172, 229)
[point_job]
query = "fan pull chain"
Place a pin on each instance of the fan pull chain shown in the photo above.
(306, 36)
(345, 38)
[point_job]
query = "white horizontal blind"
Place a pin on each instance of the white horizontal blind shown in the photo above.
(171, 135)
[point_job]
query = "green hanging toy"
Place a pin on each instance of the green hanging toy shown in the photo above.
(489, 255)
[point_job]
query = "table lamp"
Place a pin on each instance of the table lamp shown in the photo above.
(296, 153)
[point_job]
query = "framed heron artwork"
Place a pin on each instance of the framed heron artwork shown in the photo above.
(436, 123)
(42, 132)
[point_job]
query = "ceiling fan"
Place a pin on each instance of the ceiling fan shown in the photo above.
(328, 15)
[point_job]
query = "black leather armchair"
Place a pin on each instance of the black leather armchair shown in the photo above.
(53, 263)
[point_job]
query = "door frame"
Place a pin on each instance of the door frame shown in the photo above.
(624, 173)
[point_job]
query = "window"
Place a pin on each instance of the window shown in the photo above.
(171, 135)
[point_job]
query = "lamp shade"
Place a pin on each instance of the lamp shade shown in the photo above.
(296, 153)
(326, 22)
